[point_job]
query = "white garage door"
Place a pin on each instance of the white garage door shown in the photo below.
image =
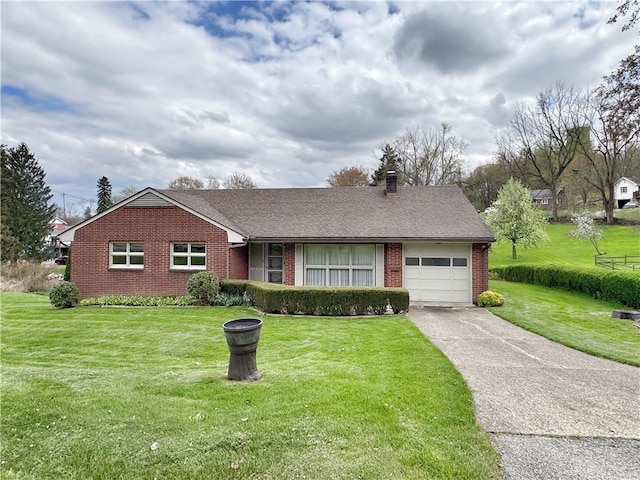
(439, 273)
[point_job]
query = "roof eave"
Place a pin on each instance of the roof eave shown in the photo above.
(371, 239)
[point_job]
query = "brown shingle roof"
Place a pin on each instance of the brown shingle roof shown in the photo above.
(341, 214)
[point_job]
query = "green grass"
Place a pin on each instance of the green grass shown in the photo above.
(628, 214)
(87, 391)
(563, 249)
(577, 321)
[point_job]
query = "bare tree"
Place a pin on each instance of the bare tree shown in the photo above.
(613, 141)
(212, 183)
(432, 157)
(349, 177)
(483, 184)
(186, 183)
(125, 192)
(238, 180)
(542, 138)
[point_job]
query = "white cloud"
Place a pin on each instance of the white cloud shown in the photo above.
(287, 92)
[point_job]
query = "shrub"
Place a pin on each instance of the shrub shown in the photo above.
(612, 285)
(490, 299)
(204, 287)
(332, 301)
(67, 268)
(229, 300)
(64, 295)
(138, 301)
(233, 287)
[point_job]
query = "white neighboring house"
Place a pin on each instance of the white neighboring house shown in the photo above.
(626, 189)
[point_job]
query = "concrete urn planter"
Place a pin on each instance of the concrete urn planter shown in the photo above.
(242, 336)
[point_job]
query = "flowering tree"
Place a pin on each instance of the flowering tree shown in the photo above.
(516, 217)
(585, 230)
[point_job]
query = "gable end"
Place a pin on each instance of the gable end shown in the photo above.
(149, 200)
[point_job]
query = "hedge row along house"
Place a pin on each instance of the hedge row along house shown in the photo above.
(429, 240)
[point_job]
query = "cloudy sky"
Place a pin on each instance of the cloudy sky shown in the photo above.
(288, 93)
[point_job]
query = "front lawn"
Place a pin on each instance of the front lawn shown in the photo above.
(141, 393)
(575, 320)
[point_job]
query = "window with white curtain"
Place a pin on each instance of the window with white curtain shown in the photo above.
(339, 265)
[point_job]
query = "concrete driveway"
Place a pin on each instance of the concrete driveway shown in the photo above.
(552, 412)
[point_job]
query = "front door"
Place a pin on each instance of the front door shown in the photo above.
(266, 262)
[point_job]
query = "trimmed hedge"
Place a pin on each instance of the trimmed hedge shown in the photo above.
(612, 285)
(331, 301)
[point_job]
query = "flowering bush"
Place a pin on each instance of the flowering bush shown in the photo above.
(585, 230)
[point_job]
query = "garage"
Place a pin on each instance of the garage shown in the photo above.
(438, 273)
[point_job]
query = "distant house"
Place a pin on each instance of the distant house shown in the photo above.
(543, 197)
(625, 190)
(430, 240)
(57, 225)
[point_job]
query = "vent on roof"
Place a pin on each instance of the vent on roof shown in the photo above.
(149, 200)
(392, 183)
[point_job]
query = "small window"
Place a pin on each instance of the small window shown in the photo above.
(189, 256)
(623, 189)
(545, 201)
(412, 261)
(126, 255)
(459, 262)
(436, 261)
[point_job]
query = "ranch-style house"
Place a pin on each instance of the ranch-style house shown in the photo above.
(429, 240)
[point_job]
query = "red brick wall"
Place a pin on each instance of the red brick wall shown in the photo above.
(157, 227)
(480, 269)
(289, 264)
(393, 265)
(239, 263)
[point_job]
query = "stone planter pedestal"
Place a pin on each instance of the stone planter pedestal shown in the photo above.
(242, 336)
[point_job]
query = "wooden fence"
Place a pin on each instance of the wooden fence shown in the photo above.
(627, 261)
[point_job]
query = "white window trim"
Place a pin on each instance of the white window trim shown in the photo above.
(127, 254)
(350, 266)
(189, 255)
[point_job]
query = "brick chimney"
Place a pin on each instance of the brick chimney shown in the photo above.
(392, 183)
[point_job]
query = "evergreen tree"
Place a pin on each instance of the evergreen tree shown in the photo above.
(10, 247)
(388, 162)
(26, 211)
(104, 195)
